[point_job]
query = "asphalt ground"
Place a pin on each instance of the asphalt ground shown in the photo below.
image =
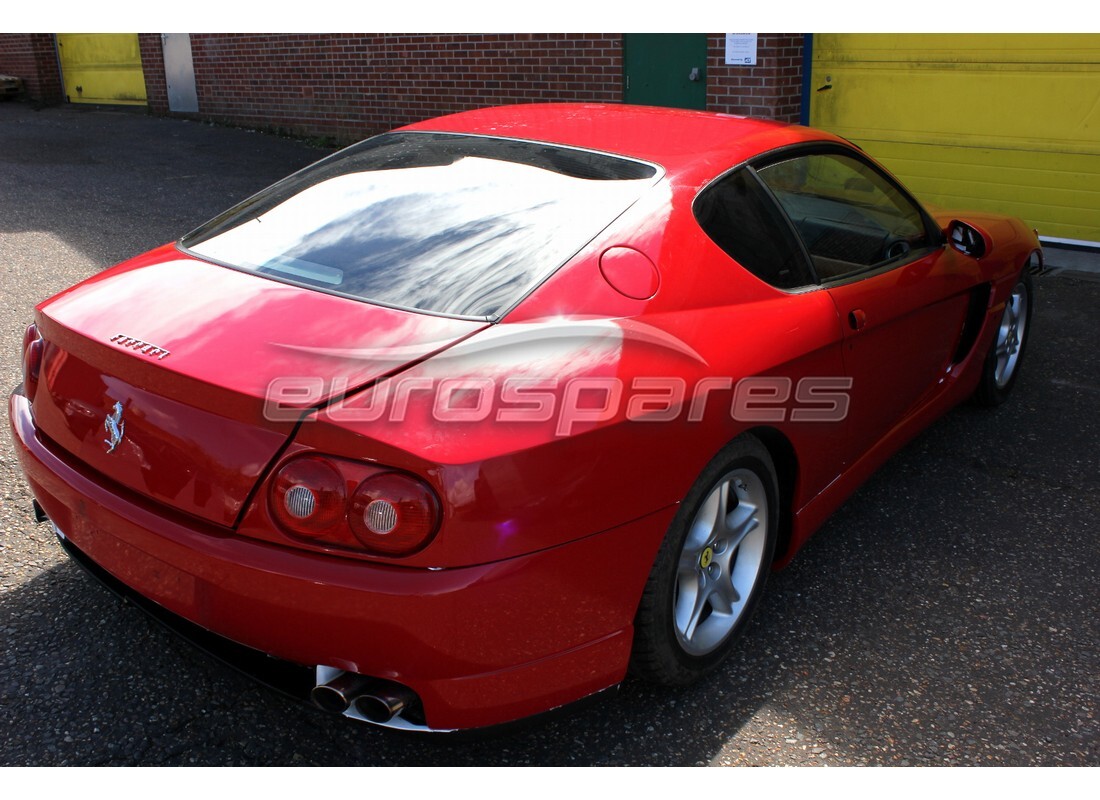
(948, 614)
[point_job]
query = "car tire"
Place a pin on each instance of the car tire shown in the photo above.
(711, 568)
(1002, 362)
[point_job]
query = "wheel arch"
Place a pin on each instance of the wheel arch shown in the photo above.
(785, 460)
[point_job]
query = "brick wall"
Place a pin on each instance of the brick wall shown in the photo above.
(352, 85)
(772, 88)
(32, 57)
(152, 64)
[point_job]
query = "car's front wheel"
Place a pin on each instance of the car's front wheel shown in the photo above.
(711, 568)
(1002, 364)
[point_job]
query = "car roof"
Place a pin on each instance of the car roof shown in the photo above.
(690, 145)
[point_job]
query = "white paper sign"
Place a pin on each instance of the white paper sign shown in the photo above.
(741, 48)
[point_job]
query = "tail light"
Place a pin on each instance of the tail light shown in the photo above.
(332, 501)
(309, 497)
(32, 359)
(393, 513)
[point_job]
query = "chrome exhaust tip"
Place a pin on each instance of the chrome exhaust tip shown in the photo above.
(337, 695)
(383, 701)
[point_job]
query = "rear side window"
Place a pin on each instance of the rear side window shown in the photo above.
(737, 213)
(444, 223)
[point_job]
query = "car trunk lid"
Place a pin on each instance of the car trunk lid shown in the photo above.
(155, 373)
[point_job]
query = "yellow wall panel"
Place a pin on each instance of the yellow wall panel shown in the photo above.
(996, 122)
(102, 68)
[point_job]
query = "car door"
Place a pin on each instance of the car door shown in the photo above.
(881, 259)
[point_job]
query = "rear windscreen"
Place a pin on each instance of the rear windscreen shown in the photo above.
(449, 224)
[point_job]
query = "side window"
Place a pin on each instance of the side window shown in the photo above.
(850, 217)
(738, 215)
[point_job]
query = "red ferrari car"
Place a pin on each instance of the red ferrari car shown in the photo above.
(469, 420)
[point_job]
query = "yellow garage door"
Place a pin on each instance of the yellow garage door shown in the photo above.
(996, 122)
(102, 68)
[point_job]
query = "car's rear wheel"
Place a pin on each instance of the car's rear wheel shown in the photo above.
(711, 568)
(1002, 364)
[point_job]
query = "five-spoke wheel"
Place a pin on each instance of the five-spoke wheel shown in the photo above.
(721, 559)
(1010, 335)
(711, 568)
(1002, 365)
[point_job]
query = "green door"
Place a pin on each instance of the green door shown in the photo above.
(665, 69)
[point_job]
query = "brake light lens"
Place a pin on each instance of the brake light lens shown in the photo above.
(309, 497)
(393, 513)
(353, 505)
(32, 359)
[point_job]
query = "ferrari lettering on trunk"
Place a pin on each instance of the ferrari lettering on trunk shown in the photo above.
(122, 340)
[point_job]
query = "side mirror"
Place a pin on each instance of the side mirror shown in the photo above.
(968, 239)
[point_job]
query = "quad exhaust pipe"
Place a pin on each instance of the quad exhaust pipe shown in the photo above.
(374, 699)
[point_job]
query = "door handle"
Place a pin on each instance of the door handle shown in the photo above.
(694, 74)
(857, 319)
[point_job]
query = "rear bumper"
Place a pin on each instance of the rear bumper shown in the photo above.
(480, 645)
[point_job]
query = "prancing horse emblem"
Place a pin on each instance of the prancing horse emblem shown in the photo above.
(115, 428)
